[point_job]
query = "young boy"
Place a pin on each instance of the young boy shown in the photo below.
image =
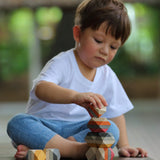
(57, 114)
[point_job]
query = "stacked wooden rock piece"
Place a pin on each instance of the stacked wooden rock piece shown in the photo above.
(46, 154)
(98, 139)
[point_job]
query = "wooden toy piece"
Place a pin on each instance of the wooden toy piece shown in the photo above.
(37, 155)
(52, 154)
(100, 139)
(91, 153)
(104, 154)
(46, 154)
(98, 124)
(95, 111)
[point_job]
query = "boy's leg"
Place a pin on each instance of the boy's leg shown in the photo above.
(115, 132)
(31, 132)
(68, 147)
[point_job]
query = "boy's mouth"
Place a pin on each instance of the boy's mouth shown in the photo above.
(101, 59)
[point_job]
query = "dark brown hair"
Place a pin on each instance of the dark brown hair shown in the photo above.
(92, 13)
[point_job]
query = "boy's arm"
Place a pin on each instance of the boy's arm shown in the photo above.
(121, 124)
(53, 93)
(123, 145)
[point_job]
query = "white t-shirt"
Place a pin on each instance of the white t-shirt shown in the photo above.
(64, 71)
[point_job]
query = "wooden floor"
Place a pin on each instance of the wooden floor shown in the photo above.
(143, 126)
(116, 158)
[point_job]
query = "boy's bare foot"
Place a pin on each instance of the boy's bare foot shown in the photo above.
(22, 151)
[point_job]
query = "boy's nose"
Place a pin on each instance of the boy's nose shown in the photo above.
(105, 50)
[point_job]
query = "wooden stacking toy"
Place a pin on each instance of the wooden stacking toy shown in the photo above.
(96, 112)
(98, 124)
(98, 139)
(46, 154)
(99, 153)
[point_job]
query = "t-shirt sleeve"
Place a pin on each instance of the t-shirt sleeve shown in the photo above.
(117, 99)
(53, 71)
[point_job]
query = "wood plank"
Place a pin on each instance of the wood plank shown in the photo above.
(138, 158)
(115, 158)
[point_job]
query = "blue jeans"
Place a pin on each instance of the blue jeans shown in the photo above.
(35, 132)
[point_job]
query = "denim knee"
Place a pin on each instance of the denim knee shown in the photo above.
(16, 127)
(25, 129)
(14, 123)
(115, 132)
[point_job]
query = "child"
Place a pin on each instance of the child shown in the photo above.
(57, 114)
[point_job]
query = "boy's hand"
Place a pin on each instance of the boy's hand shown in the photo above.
(88, 98)
(131, 152)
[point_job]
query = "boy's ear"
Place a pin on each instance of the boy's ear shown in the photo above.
(76, 33)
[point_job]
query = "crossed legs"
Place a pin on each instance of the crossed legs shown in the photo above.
(30, 132)
(68, 148)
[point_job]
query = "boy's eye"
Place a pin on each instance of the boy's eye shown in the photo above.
(98, 41)
(112, 47)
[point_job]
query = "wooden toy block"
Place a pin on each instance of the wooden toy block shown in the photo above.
(37, 155)
(104, 154)
(98, 124)
(100, 139)
(96, 112)
(46, 154)
(91, 153)
(52, 154)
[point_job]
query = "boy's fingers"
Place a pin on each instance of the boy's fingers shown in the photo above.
(100, 100)
(134, 153)
(92, 101)
(124, 153)
(103, 100)
(142, 152)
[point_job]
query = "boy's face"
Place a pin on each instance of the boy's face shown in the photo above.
(96, 48)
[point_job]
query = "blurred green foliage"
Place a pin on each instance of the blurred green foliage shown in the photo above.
(46, 16)
(13, 59)
(17, 29)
